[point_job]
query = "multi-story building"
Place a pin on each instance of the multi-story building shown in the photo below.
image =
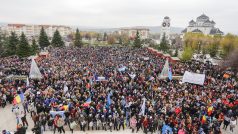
(203, 25)
(34, 30)
(131, 32)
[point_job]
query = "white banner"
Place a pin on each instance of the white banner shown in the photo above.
(193, 78)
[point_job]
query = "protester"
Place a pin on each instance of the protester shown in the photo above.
(115, 88)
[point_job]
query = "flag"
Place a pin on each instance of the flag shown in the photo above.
(54, 113)
(204, 119)
(27, 82)
(170, 74)
(165, 70)
(65, 107)
(209, 110)
(142, 112)
(19, 98)
(65, 88)
(87, 103)
(108, 99)
(122, 69)
(22, 96)
(34, 71)
(166, 129)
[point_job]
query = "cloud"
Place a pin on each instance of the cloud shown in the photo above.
(116, 13)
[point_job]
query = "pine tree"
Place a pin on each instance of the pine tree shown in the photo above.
(57, 40)
(2, 39)
(34, 47)
(23, 49)
(105, 36)
(43, 39)
(78, 39)
(163, 44)
(176, 52)
(137, 41)
(12, 44)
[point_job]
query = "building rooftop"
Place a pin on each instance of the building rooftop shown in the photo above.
(203, 16)
(197, 31)
(215, 31)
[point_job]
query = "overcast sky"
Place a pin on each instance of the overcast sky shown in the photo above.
(119, 13)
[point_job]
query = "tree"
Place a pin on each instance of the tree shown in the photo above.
(34, 47)
(213, 49)
(57, 40)
(163, 44)
(105, 36)
(111, 39)
(228, 44)
(2, 43)
(231, 60)
(137, 41)
(78, 39)
(187, 54)
(23, 49)
(43, 39)
(12, 44)
(176, 52)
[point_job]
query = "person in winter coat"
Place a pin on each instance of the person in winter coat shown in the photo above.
(20, 129)
(60, 124)
(232, 123)
(133, 123)
(145, 125)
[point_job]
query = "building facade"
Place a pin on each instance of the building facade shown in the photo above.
(165, 28)
(34, 30)
(204, 25)
(131, 32)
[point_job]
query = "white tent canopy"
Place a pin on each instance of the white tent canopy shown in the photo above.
(34, 72)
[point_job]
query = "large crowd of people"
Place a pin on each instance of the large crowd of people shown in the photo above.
(116, 88)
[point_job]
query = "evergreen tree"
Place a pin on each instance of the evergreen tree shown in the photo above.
(137, 41)
(2, 39)
(78, 39)
(23, 49)
(163, 44)
(105, 36)
(43, 39)
(176, 52)
(57, 40)
(12, 44)
(34, 47)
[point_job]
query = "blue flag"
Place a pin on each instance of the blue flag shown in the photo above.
(166, 129)
(109, 99)
(22, 96)
(170, 74)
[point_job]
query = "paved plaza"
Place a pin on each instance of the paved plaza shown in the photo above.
(8, 122)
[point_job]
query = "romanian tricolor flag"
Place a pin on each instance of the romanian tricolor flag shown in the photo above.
(64, 107)
(209, 110)
(204, 119)
(19, 98)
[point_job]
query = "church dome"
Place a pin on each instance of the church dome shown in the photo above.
(203, 17)
(192, 22)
